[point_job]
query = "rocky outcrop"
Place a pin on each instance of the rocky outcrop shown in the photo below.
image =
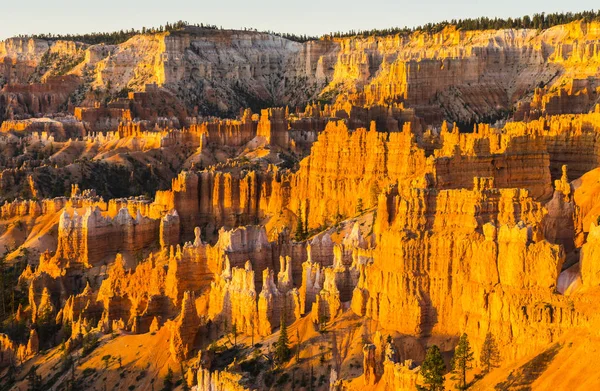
(60, 128)
(248, 243)
(514, 161)
(33, 344)
(400, 376)
(344, 163)
(184, 329)
(426, 230)
(369, 364)
(571, 140)
(463, 74)
(562, 224)
(491, 243)
(184, 198)
(80, 306)
(345, 167)
(19, 57)
(191, 268)
(8, 351)
(273, 127)
(91, 237)
(219, 381)
(134, 296)
(590, 268)
(102, 118)
(149, 103)
(21, 208)
(228, 133)
(44, 308)
(276, 302)
(233, 199)
(233, 299)
(21, 101)
(453, 68)
(574, 98)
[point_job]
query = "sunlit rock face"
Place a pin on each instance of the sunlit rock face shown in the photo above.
(470, 75)
(463, 260)
(381, 195)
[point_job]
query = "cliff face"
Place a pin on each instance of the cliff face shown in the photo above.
(345, 167)
(26, 100)
(570, 140)
(469, 75)
(19, 57)
(90, 238)
(452, 69)
(217, 380)
(60, 129)
(184, 328)
(227, 65)
(471, 275)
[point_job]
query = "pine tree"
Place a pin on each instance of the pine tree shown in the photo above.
(338, 216)
(359, 206)
(168, 381)
(374, 194)
(463, 357)
(2, 289)
(34, 380)
(282, 348)
(299, 234)
(305, 227)
(432, 370)
(184, 383)
(490, 355)
(234, 331)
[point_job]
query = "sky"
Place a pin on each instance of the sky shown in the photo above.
(291, 16)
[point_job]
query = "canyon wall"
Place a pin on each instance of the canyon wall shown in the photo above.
(345, 167)
(459, 75)
(472, 261)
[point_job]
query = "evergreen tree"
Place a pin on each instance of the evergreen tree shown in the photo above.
(359, 206)
(305, 233)
(34, 380)
(168, 381)
(184, 383)
(432, 370)
(490, 355)
(234, 331)
(338, 216)
(2, 289)
(374, 193)
(299, 234)
(282, 348)
(537, 21)
(463, 357)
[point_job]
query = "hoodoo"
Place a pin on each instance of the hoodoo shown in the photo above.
(196, 208)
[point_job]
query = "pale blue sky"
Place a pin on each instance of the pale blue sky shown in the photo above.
(294, 16)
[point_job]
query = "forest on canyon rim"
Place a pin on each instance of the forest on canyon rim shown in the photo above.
(195, 208)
